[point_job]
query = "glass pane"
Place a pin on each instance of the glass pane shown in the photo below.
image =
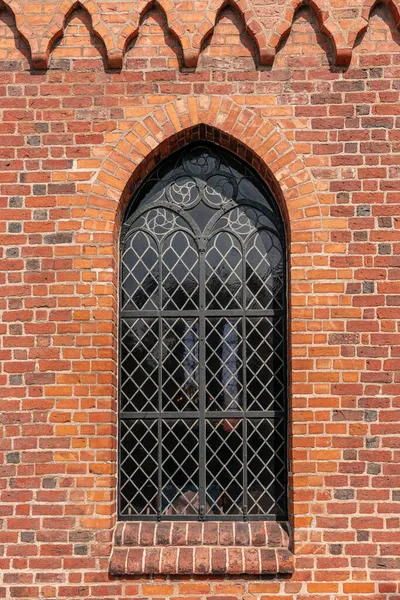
(266, 466)
(224, 272)
(224, 389)
(159, 221)
(220, 189)
(139, 364)
(138, 467)
(139, 283)
(244, 221)
(265, 365)
(200, 161)
(224, 466)
(180, 273)
(264, 271)
(184, 192)
(180, 467)
(180, 364)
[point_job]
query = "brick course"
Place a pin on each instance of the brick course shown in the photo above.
(76, 139)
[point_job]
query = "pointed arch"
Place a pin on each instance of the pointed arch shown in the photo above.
(369, 6)
(15, 9)
(327, 26)
(261, 144)
(249, 31)
(164, 129)
(43, 47)
(131, 31)
(162, 245)
(81, 37)
(391, 5)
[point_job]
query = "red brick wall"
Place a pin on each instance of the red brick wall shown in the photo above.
(75, 140)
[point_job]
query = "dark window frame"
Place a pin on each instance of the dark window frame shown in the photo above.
(270, 209)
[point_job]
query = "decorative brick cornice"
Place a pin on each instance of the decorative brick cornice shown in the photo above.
(149, 548)
(116, 23)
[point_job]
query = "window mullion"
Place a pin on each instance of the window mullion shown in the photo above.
(202, 386)
(244, 384)
(160, 384)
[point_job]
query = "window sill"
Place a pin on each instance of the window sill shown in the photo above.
(203, 548)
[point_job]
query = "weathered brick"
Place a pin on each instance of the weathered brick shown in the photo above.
(76, 140)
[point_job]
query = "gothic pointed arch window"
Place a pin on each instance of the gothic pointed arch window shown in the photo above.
(203, 365)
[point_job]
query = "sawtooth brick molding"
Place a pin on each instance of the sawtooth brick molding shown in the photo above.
(117, 23)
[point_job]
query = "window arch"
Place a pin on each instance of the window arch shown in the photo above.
(203, 359)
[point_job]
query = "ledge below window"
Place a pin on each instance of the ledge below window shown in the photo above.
(203, 548)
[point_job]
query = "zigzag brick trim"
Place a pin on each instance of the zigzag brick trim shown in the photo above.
(117, 23)
(215, 548)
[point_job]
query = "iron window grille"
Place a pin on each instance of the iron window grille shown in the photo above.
(203, 366)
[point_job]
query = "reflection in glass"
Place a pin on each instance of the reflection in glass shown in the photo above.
(224, 466)
(139, 359)
(138, 467)
(265, 465)
(224, 364)
(140, 273)
(264, 276)
(180, 361)
(180, 278)
(265, 365)
(223, 272)
(180, 467)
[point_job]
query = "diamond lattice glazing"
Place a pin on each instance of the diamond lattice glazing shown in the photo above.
(203, 344)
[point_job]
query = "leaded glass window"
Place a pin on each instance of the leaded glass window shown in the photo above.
(202, 408)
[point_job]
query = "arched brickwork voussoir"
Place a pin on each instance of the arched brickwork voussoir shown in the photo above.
(168, 128)
(223, 121)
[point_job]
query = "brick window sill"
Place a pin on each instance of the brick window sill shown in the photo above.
(214, 548)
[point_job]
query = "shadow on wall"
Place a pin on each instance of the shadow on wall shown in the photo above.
(13, 46)
(78, 43)
(229, 46)
(155, 47)
(380, 23)
(306, 34)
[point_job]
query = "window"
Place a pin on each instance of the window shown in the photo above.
(203, 368)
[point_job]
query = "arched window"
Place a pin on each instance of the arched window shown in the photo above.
(203, 366)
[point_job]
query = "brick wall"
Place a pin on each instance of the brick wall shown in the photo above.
(75, 141)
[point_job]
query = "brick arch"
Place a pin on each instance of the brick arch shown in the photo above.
(223, 121)
(326, 24)
(16, 9)
(361, 25)
(44, 45)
